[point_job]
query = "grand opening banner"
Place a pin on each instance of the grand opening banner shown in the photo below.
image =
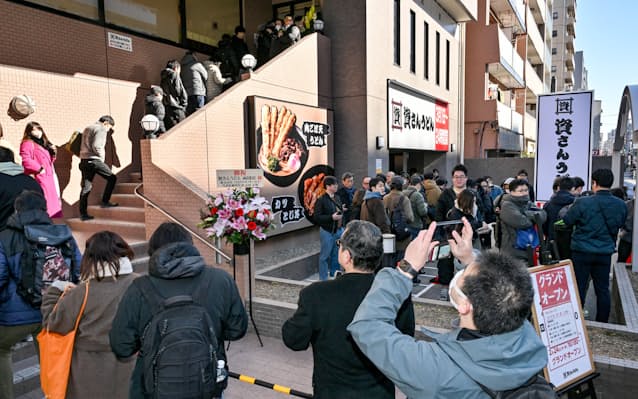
(292, 144)
(415, 120)
(564, 137)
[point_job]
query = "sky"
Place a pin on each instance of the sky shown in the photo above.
(606, 33)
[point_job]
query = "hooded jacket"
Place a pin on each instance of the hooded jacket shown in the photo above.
(194, 76)
(373, 211)
(15, 311)
(423, 369)
(517, 213)
(174, 92)
(13, 181)
(154, 106)
(176, 269)
(419, 207)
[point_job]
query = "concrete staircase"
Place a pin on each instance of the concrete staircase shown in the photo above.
(126, 220)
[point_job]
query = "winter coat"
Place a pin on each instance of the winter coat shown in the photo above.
(34, 157)
(425, 369)
(325, 207)
(15, 311)
(324, 311)
(517, 213)
(174, 92)
(390, 202)
(596, 219)
(240, 49)
(432, 192)
(419, 207)
(154, 106)
(357, 202)
(193, 75)
(94, 142)
(373, 211)
(92, 356)
(557, 202)
(13, 181)
(444, 204)
(215, 82)
(346, 195)
(175, 269)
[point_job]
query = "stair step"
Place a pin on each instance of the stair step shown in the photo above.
(22, 350)
(124, 228)
(26, 375)
(124, 213)
(125, 188)
(138, 244)
(136, 176)
(127, 200)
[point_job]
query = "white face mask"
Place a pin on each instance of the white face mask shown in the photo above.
(36, 133)
(454, 287)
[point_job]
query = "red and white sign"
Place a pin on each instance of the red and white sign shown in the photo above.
(416, 121)
(560, 323)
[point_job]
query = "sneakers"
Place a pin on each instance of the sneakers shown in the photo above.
(86, 217)
(434, 280)
(109, 204)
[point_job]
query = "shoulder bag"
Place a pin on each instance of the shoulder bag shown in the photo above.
(56, 351)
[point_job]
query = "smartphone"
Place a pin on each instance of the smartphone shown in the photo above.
(439, 252)
(444, 230)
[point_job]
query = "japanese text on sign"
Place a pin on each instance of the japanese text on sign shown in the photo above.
(288, 211)
(316, 133)
(120, 41)
(240, 178)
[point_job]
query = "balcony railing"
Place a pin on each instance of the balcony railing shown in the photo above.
(536, 40)
(530, 127)
(511, 13)
(509, 68)
(532, 80)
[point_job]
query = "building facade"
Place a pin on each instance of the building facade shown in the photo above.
(507, 67)
(563, 36)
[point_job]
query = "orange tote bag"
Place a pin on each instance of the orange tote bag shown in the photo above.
(56, 351)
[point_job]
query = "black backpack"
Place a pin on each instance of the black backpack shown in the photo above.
(536, 387)
(45, 248)
(179, 345)
(398, 224)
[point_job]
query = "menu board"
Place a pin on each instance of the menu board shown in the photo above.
(558, 318)
(292, 144)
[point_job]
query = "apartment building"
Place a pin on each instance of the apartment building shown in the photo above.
(563, 36)
(508, 65)
(580, 72)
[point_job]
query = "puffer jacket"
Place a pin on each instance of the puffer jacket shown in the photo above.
(419, 207)
(15, 311)
(174, 92)
(597, 219)
(559, 200)
(194, 76)
(390, 202)
(176, 269)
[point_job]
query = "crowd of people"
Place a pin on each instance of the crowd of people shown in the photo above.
(188, 84)
(585, 231)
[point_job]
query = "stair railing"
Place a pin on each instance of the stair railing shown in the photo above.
(219, 254)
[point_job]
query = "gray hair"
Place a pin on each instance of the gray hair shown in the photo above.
(364, 241)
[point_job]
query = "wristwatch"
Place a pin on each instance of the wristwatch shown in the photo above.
(405, 266)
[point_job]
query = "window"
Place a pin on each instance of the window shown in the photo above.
(447, 65)
(553, 68)
(83, 8)
(207, 27)
(554, 33)
(555, 15)
(437, 74)
(412, 41)
(554, 51)
(426, 50)
(160, 19)
(397, 32)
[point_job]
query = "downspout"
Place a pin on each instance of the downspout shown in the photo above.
(461, 102)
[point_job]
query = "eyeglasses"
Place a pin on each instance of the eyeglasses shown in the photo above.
(459, 177)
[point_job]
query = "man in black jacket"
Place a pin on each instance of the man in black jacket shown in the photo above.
(175, 268)
(328, 215)
(324, 311)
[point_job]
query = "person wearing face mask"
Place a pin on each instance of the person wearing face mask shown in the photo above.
(494, 343)
(517, 212)
(38, 155)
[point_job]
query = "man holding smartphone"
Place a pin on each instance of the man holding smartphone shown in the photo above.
(494, 343)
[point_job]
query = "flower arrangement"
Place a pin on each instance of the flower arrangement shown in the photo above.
(237, 215)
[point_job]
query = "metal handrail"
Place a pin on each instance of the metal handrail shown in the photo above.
(218, 252)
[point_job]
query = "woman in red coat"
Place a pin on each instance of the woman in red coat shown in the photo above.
(38, 155)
